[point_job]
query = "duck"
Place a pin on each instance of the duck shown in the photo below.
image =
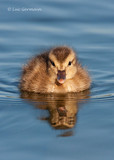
(55, 71)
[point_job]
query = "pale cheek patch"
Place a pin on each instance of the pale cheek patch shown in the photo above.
(70, 73)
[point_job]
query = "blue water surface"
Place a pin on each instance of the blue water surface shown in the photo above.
(30, 27)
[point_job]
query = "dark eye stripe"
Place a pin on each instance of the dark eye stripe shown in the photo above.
(69, 63)
(53, 64)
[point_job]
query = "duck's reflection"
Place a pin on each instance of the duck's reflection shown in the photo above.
(62, 108)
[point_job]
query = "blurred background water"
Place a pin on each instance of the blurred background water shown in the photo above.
(27, 124)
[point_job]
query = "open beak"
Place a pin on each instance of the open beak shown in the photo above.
(61, 76)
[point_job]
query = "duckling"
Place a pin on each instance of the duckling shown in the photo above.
(55, 71)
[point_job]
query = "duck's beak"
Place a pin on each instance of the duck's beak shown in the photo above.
(61, 76)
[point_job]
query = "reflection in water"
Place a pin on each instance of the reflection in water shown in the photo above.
(62, 108)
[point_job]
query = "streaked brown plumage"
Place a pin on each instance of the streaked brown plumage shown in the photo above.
(56, 71)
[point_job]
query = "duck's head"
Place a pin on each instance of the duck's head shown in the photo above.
(62, 64)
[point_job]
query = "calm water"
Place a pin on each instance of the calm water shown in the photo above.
(30, 124)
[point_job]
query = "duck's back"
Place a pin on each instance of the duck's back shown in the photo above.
(35, 76)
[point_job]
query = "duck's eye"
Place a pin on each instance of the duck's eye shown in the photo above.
(69, 63)
(53, 64)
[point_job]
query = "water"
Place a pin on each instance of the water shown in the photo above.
(28, 123)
